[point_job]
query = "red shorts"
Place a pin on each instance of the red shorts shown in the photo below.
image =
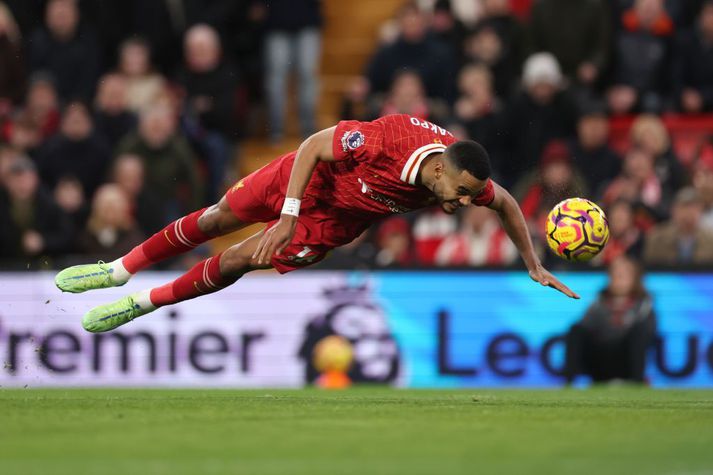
(258, 198)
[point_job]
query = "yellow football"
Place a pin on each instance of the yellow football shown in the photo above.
(577, 229)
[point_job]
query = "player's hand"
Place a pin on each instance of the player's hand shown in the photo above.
(275, 239)
(544, 277)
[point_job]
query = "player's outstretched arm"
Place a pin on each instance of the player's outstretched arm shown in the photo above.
(514, 223)
(313, 150)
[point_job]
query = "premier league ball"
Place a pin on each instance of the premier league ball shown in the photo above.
(577, 229)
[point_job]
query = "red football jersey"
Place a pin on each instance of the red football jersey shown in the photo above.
(374, 175)
(377, 164)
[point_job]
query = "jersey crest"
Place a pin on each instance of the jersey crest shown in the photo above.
(352, 140)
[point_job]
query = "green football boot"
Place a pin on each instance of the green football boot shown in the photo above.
(107, 317)
(78, 279)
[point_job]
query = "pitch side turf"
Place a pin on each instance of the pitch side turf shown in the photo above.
(360, 431)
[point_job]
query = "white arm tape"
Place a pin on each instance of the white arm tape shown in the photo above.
(291, 206)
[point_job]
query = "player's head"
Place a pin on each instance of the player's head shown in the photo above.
(461, 174)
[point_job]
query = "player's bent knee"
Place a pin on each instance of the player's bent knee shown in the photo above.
(208, 221)
(218, 220)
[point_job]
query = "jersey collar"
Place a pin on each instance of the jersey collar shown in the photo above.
(413, 164)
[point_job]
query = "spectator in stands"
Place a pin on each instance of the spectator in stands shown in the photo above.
(161, 24)
(478, 110)
(649, 133)
(42, 105)
(31, 223)
(144, 85)
(447, 28)
(112, 118)
(69, 196)
(703, 182)
(111, 231)
(693, 80)
(592, 155)
(12, 66)
(166, 154)
(430, 228)
(241, 27)
(577, 32)
(466, 11)
(641, 73)
(484, 46)
(68, 52)
(75, 151)
(209, 82)
(414, 50)
(394, 243)
(356, 102)
(539, 114)
(682, 12)
(625, 237)
(639, 184)
(407, 96)
(555, 180)
(611, 340)
(146, 207)
(498, 16)
(224, 16)
(293, 37)
(36, 120)
(23, 134)
(481, 241)
(682, 240)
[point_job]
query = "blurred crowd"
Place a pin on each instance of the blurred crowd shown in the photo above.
(541, 84)
(117, 116)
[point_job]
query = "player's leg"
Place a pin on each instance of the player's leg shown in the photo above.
(178, 237)
(206, 277)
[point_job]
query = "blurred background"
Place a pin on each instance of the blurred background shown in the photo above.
(118, 116)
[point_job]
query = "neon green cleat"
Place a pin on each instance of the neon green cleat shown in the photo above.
(107, 317)
(78, 279)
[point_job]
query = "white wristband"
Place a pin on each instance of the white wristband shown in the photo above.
(291, 206)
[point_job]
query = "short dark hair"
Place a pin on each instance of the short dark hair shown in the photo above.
(470, 156)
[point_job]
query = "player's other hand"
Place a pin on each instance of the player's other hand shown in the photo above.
(544, 277)
(275, 239)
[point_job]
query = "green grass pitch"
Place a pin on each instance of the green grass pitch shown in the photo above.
(359, 431)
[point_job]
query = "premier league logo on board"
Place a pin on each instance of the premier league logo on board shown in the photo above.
(352, 140)
(354, 318)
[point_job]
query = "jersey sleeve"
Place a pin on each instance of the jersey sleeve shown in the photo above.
(357, 140)
(486, 195)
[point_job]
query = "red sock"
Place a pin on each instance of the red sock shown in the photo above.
(178, 237)
(204, 278)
